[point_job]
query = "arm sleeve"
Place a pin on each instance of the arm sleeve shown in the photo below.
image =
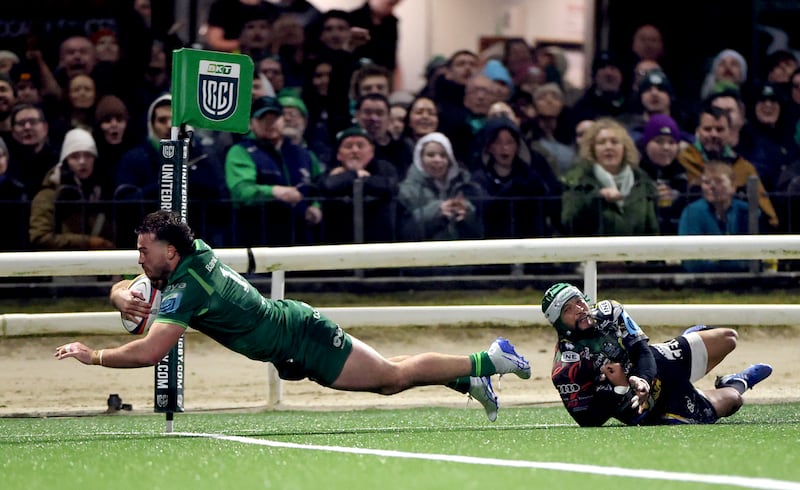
(240, 176)
(643, 361)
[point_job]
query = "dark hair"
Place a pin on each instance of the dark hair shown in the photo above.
(366, 71)
(167, 101)
(459, 53)
(334, 14)
(507, 47)
(168, 226)
(406, 120)
(375, 97)
(21, 107)
(714, 111)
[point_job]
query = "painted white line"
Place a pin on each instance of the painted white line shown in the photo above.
(737, 481)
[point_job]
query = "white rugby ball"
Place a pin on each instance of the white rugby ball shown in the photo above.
(153, 296)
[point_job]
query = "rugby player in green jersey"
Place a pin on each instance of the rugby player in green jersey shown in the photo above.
(200, 291)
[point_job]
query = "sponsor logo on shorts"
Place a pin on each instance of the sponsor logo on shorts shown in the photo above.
(570, 356)
(670, 350)
(338, 337)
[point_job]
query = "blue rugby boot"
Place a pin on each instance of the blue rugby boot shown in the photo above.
(696, 328)
(749, 377)
(506, 360)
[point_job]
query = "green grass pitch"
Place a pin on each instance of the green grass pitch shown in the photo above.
(438, 448)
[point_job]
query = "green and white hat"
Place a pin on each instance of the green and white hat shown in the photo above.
(554, 300)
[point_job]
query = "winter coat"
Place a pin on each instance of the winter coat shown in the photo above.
(420, 200)
(379, 191)
(66, 212)
(693, 160)
(585, 213)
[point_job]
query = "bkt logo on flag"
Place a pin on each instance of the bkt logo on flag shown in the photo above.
(218, 89)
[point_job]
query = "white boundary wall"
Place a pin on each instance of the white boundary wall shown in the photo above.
(473, 252)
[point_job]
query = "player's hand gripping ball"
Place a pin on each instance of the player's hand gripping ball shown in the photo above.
(138, 326)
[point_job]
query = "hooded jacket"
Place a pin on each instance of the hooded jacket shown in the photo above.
(139, 167)
(519, 204)
(421, 196)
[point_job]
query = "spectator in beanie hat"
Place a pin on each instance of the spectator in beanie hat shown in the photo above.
(659, 145)
(768, 142)
(84, 225)
(356, 159)
(295, 125)
(607, 94)
(653, 96)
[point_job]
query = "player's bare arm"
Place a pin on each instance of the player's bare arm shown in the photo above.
(138, 353)
(128, 302)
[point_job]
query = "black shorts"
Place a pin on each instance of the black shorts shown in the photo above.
(680, 361)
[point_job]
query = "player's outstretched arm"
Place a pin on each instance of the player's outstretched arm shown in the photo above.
(138, 353)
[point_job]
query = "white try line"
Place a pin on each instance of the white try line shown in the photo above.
(737, 481)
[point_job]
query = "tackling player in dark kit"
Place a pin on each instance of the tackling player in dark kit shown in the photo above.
(605, 368)
(201, 292)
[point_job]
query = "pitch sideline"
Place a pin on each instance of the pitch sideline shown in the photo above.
(738, 481)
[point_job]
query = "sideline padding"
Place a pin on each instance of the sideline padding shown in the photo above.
(14, 325)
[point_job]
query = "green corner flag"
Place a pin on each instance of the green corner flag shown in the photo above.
(211, 90)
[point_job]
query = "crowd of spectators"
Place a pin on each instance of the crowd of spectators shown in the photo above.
(494, 144)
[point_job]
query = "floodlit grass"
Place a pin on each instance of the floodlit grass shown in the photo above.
(122, 452)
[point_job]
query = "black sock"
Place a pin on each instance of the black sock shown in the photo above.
(461, 384)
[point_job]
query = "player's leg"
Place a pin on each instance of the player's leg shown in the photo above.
(726, 401)
(719, 342)
(477, 388)
(366, 370)
(727, 397)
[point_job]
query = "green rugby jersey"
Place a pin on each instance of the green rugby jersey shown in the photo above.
(209, 296)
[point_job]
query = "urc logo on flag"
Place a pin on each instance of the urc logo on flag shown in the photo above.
(218, 89)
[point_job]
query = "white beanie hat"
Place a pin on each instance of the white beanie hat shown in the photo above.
(77, 140)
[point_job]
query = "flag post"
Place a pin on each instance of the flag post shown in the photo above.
(210, 90)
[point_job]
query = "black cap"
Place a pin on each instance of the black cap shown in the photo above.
(265, 104)
(353, 131)
(604, 59)
(777, 57)
(768, 92)
(655, 78)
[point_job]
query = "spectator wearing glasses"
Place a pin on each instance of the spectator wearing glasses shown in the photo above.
(32, 154)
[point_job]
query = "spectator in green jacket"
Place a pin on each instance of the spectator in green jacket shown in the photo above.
(607, 193)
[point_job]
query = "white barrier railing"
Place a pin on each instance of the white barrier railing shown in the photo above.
(422, 254)
(108, 323)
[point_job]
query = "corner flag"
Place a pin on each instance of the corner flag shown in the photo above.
(211, 90)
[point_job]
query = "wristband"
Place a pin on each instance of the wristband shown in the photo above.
(95, 357)
(622, 390)
(100, 357)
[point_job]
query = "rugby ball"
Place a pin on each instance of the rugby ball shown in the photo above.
(153, 296)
